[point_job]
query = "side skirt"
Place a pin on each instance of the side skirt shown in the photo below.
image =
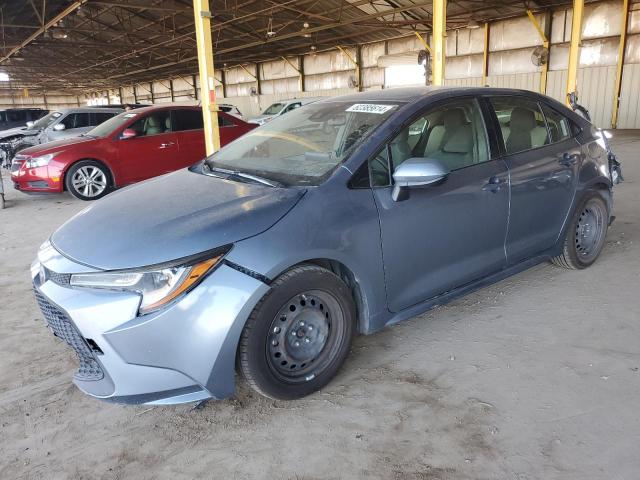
(468, 288)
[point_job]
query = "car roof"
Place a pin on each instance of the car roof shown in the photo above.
(87, 110)
(410, 94)
(166, 106)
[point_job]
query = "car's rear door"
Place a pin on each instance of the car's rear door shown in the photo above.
(542, 171)
(152, 151)
(188, 127)
(448, 234)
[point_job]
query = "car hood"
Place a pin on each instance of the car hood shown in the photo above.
(56, 145)
(170, 217)
(261, 118)
(18, 131)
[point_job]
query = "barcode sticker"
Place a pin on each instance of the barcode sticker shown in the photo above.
(369, 108)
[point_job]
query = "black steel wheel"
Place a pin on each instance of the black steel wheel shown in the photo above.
(586, 234)
(299, 334)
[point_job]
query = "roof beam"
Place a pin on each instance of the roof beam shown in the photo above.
(71, 8)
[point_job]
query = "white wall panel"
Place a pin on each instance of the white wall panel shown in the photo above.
(464, 82)
(525, 81)
(595, 93)
(370, 54)
(332, 61)
(557, 84)
(463, 66)
(514, 33)
(629, 113)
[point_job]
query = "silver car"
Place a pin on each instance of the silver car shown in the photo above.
(56, 125)
(342, 217)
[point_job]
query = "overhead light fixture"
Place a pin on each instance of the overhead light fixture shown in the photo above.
(4, 77)
(305, 25)
(270, 31)
(313, 48)
(473, 24)
(58, 34)
(306, 35)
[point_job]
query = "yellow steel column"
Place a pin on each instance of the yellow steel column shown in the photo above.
(574, 48)
(621, 49)
(439, 30)
(485, 55)
(207, 80)
(545, 45)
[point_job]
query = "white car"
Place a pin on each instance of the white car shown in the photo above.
(281, 107)
(231, 110)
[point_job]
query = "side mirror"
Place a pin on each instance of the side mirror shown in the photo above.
(29, 123)
(416, 172)
(58, 127)
(128, 133)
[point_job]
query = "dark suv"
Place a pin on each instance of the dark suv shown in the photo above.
(18, 117)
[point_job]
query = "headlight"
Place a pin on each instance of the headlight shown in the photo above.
(156, 287)
(40, 161)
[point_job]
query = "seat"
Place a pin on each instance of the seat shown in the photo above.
(400, 149)
(167, 124)
(521, 124)
(153, 126)
(456, 144)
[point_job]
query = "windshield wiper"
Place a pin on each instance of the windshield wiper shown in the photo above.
(244, 176)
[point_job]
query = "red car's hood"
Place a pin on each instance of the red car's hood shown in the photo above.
(51, 147)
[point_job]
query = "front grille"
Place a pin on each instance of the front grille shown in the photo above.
(59, 278)
(89, 368)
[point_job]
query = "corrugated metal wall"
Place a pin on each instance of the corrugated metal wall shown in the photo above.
(511, 44)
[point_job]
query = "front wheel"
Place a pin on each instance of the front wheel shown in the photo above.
(88, 180)
(586, 233)
(299, 334)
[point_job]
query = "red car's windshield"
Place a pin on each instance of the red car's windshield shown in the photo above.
(108, 127)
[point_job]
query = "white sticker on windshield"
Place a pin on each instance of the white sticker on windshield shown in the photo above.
(129, 115)
(369, 108)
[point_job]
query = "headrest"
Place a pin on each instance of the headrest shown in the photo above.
(453, 118)
(167, 122)
(460, 142)
(522, 119)
(402, 137)
(153, 121)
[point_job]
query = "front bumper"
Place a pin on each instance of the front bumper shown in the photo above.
(183, 353)
(40, 179)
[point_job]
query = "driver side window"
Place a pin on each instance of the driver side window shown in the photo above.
(153, 124)
(453, 133)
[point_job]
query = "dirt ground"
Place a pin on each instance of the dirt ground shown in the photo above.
(536, 377)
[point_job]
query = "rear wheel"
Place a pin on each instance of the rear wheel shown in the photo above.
(299, 334)
(88, 180)
(586, 233)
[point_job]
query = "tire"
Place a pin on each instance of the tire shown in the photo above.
(586, 233)
(298, 336)
(88, 180)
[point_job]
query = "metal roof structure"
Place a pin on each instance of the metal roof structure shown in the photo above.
(92, 44)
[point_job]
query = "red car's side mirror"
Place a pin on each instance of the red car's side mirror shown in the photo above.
(128, 133)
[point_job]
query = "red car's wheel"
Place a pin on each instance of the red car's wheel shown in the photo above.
(88, 180)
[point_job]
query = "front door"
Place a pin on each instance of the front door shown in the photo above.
(448, 234)
(152, 151)
(74, 125)
(542, 157)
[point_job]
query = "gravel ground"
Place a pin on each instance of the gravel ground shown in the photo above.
(534, 377)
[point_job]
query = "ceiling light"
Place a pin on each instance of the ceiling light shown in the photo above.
(473, 24)
(305, 25)
(4, 77)
(307, 35)
(271, 33)
(313, 48)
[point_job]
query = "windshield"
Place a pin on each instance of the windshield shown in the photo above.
(303, 147)
(274, 109)
(45, 121)
(107, 128)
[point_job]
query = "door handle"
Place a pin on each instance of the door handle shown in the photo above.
(167, 145)
(569, 159)
(494, 184)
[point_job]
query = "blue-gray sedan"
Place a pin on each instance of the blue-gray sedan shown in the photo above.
(341, 217)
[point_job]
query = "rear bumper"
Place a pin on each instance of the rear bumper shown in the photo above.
(183, 353)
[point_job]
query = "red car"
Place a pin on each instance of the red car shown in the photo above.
(127, 148)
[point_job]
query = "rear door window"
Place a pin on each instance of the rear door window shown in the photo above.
(16, 115)
(521, 122)
(76, 120)
(559, 126)
(100, 117)
(184, 119)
